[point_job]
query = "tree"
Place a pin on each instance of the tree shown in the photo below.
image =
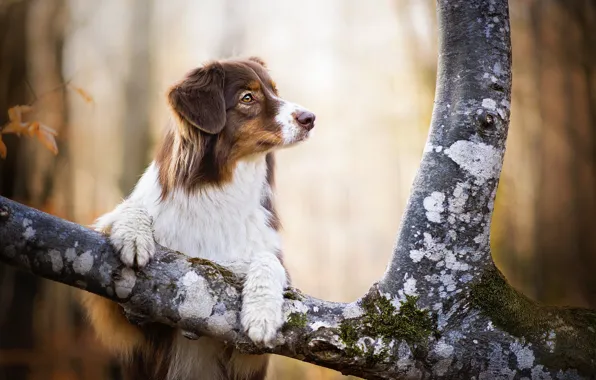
(442, 309)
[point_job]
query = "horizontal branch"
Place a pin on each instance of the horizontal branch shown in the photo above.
(375, 337)
(200, 297)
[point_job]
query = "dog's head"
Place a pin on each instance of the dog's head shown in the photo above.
(227, 111)
(238, 100)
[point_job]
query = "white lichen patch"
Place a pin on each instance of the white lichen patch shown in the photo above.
(550, 341)
(498, 367)
(480, 160)
(524, 355)
(56, 259)
(83, 263)
(29, 233)
(483, 238)
(366, 344)
(352, 310)
(459, 198)
(70, 254)
(410, 287)
(198, 302)
(538, 373)
(489, 104)
(416, 255)
(452, 263)
(124, 285)
(433, 204)
(443, 349)
(497, 69)
(318, 324)
(105, 271)
(502, 113)
(221, 324)
(190, 278)
(294, 306)
(432, 250)
(26, 222)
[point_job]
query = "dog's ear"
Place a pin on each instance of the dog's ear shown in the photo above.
(199, 98)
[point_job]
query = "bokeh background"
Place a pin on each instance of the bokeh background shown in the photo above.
(97, 72)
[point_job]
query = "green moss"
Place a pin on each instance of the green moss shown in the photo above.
(507, 308)
(560, 336)
(349, 335)
(295, 320)
(209, 268)
(382, 320)
(410, 323)
(293, 294)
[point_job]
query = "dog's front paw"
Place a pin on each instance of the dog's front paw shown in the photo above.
(262, 318)
(132, 236)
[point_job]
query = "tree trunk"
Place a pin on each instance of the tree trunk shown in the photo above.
(137, 87)
(16, 314)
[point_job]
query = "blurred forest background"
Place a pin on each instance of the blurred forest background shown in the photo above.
(97, 72)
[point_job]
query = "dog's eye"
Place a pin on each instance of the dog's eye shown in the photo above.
(247, 98)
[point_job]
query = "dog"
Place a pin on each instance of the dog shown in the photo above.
(208, 193)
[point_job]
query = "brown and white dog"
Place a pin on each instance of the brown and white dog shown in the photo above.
(208, 194)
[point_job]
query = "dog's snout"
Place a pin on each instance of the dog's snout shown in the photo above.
(306, 119)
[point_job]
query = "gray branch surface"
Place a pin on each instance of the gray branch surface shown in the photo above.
(442, 309)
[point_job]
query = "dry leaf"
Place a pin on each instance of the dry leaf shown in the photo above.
(32, 129)
(48, 129)
(46, 138)
(17, 126)
(86, 97)
(15, 114)
(2, 148)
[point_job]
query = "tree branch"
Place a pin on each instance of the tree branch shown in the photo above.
(442, 310)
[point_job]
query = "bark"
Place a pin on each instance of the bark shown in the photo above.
(442, 309)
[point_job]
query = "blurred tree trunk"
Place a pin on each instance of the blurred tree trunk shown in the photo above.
(41, 325)
(564, 241)
(15, 314)
(548, 246)
(137, 85)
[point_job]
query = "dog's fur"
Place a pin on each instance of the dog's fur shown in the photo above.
(208, 193)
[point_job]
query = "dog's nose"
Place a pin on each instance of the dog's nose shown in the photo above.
(306, 119)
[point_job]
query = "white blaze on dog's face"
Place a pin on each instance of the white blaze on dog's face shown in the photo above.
(295, 121)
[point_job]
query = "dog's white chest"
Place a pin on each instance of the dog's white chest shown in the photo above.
(223, 224)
